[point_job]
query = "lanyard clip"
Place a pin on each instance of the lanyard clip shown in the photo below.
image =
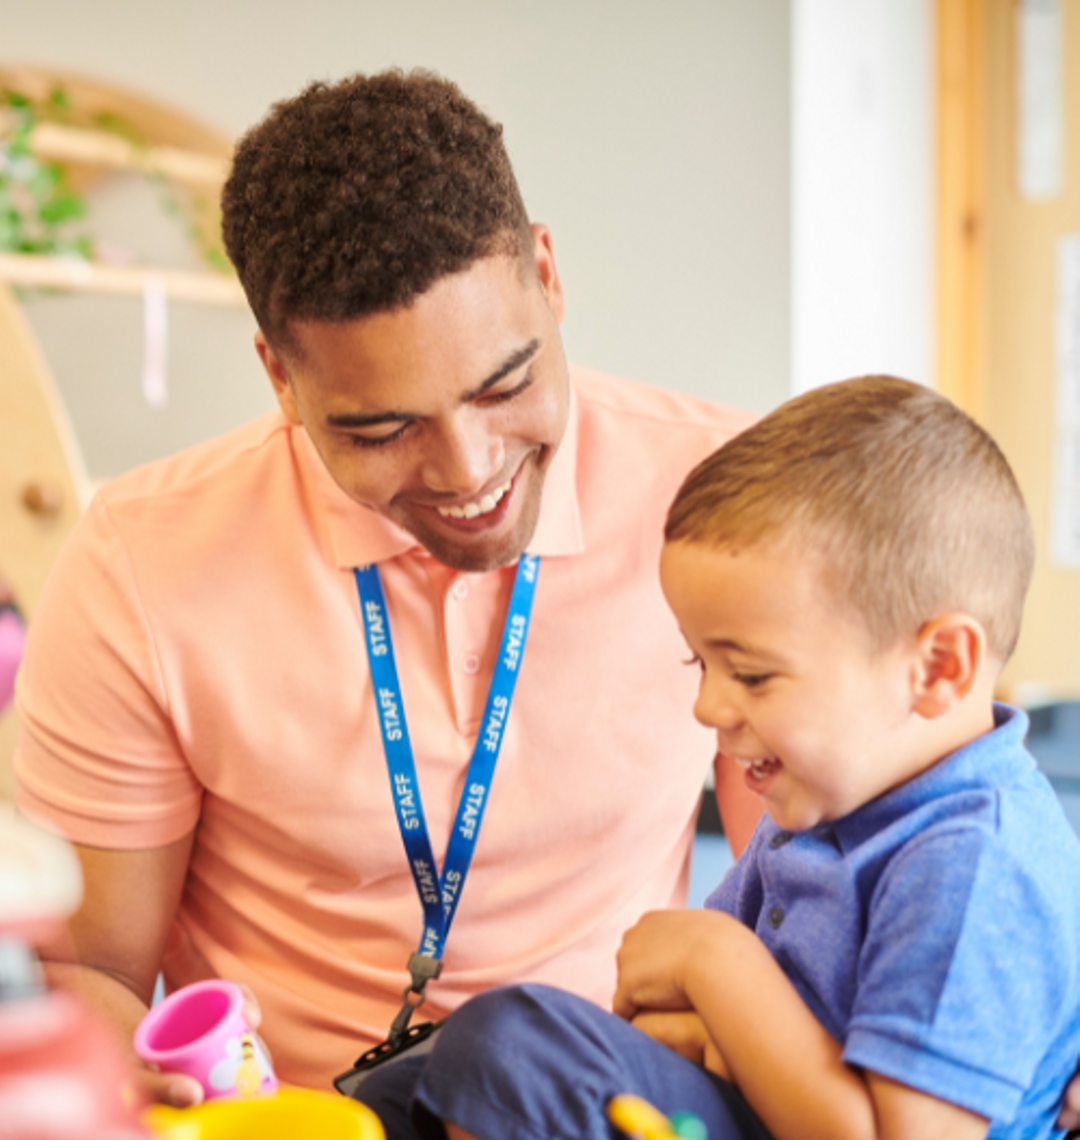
(422, 970)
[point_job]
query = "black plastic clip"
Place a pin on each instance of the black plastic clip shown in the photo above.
(422, 970)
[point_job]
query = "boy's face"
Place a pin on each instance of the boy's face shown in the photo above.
(816, 715)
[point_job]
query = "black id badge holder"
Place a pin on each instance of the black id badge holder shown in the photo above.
(405, 1039)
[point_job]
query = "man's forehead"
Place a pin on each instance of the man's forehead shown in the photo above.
(467, 343)
(507, 273)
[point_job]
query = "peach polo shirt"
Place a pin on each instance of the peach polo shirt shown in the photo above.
(197, 660)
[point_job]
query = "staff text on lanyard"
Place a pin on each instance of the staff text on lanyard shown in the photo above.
(440, 893)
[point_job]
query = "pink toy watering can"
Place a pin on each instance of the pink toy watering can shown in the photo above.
(201, 1031)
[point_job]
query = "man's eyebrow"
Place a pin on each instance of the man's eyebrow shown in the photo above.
(358, 420)
(513, 362)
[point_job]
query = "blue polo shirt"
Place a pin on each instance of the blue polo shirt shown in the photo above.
(935, 932)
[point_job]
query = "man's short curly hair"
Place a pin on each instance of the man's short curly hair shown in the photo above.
(356, 197)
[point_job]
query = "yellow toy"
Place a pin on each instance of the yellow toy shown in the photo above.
(637, 1117)
(286, 1115)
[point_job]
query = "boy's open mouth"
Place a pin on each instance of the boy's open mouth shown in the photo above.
(759, 768)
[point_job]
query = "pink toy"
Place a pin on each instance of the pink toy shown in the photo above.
(12, 640)
(201, 1031)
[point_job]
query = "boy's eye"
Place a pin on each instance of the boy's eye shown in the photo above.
(694, 659)
(752, 680)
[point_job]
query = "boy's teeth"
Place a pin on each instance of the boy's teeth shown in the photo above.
(473, 510)
(758, 766)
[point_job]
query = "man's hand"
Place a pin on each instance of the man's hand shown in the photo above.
(684, 1032)
(181, 1091)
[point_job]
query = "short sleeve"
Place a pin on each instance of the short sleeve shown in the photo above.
(97, 758)
(963, 973)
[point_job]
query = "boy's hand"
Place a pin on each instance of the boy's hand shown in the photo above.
(684, 1032)
(1069, 1117)
(657, 954)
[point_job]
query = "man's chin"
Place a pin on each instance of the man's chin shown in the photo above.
(477, 553)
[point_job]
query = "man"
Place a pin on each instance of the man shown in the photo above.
(198, 703)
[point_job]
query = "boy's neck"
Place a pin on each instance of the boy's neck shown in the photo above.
(937, 738)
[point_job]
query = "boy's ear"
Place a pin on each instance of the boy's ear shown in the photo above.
(950, 652)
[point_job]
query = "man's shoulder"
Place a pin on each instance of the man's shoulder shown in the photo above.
(655, 410)
(224, 465)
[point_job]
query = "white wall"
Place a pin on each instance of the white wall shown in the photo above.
(653, 138)
(862, 197)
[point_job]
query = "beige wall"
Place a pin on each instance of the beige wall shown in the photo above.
(1019, 346)
(653, 138)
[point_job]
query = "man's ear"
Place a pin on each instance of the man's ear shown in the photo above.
(275, 369)
(546, 272)
(951, 651)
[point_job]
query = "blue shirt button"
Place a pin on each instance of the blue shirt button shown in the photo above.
(780, 838)
(776, 916)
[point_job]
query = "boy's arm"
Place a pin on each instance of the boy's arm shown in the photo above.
(682, 1031)
(784, 1062)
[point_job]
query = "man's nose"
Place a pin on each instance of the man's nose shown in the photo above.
(464, 456)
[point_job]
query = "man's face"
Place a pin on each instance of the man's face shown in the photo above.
(443, 416)
(818, 717)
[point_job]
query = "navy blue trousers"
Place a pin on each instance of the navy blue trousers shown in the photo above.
(535, 1063)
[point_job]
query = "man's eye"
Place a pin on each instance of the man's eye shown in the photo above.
(378, 440)
(510, 393)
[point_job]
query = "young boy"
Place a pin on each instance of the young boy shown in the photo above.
(897, 953)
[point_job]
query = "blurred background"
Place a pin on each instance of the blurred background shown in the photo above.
(746, 200)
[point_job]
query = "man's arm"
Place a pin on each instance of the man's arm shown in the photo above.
(784, 1062)
(116, 941)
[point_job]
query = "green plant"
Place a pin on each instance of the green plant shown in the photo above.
(37, 206)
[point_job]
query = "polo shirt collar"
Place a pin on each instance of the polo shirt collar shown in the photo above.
(359, 536)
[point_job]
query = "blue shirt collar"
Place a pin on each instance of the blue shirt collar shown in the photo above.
(986, 762)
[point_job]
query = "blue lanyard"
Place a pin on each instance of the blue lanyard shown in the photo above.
(440, 893)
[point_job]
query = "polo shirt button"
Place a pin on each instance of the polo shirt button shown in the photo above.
(460, 590)
(776, 916)
(779, 839)
(471, 664)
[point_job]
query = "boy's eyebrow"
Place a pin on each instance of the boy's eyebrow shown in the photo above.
(511, 364)
(737, 646)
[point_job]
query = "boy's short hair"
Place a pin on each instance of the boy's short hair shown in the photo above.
(356, 197)
(910, 503)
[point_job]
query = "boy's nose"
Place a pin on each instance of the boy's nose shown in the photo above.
(714, 708)
(466, 457)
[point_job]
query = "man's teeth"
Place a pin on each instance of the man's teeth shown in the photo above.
(474, 510)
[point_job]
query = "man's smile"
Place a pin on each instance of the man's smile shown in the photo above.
(482, 506)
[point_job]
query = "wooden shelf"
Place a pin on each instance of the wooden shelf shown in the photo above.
(89, 277)
(53, 142)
